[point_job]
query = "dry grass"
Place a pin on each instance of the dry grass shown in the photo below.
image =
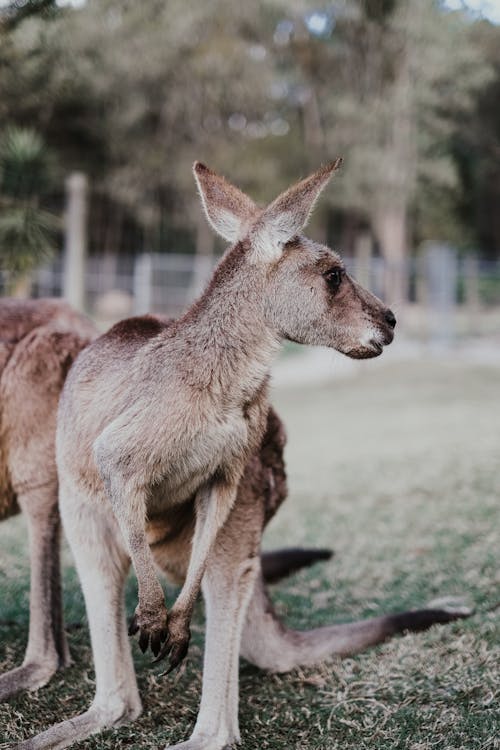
(398, 470)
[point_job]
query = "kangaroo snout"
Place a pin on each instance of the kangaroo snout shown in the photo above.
(369, 324)
(385, 333)
(389, 326)
(390, 318)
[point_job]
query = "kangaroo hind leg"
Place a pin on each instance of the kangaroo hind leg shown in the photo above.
(47, 649)
(102, 566)
(232, 570)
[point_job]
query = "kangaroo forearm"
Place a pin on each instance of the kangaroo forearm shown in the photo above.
(212, 509)
(150, 592)
(212, 505)
(130, 512)
(150, 617)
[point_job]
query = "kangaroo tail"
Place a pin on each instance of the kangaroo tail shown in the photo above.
(269, 644)
(280, 563)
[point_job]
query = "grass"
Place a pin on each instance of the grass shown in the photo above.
(397, 470)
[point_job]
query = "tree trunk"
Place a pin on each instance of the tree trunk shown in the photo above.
(204, 256)
(75, 241)
(21, 286)
(398, 176)
(391, 230)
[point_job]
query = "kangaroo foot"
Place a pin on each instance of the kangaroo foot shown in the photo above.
(205, 742)
(119, 711)
(29, 676)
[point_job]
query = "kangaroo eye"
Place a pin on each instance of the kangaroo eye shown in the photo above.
(334, 278)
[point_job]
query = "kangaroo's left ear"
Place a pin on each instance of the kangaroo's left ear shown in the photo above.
(228, 210)
(286, 216)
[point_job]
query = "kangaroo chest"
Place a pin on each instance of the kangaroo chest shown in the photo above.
(220, 446)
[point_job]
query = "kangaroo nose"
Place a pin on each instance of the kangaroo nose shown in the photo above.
(390, 318)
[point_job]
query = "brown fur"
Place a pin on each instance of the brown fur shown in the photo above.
(38, 342)
(138, 329)
(151, 415)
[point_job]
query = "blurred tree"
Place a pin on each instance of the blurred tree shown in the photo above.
(14, 13)
(26, 230)
(132, 93)
(46, 87)
(476, 150)
(382, 77)
(179, 83)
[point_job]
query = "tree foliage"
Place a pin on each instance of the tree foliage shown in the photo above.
(134, 92)
(26, 230)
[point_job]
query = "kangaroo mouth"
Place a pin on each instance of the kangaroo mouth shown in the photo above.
(373, 348)
(388, 336)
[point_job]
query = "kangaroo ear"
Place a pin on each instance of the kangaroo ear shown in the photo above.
(227, 209)
(286, 216)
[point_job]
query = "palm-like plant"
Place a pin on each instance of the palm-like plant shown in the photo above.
(26, 230)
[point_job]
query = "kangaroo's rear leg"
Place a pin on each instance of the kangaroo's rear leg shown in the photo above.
(47, 649)
(102, 565)
(227, 588)
(270, 645)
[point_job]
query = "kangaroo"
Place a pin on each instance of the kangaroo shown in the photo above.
(38, 342)
(152, 414)
(157, 424)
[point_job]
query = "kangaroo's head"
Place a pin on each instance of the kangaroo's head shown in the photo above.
(309, 297)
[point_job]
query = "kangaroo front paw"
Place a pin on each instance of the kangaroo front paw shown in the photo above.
(151, 624)
(177, 643)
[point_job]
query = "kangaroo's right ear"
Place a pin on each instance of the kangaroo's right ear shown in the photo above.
(289, 213)
(228, 210)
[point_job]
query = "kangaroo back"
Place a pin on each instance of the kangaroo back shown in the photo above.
(39, 340)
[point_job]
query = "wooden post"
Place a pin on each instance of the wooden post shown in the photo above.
(203, 261)
(471, 290)
(442, 274)
(422, 295)
(75, 244)
(143, 284)
(363, 259)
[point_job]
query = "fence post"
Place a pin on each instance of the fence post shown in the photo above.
(471, 291)
(203, 259)
(441, 276)
(143, 284)
(363, 247)
(75, 242)
(422, 295)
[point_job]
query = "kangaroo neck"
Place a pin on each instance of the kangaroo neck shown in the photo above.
(231, 346)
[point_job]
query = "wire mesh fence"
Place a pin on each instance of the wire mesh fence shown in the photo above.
(445, 294)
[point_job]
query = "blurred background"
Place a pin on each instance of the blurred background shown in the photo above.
(105, 104)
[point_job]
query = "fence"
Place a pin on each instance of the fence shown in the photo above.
(447, 296)
(442, 295)
(161, 283)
